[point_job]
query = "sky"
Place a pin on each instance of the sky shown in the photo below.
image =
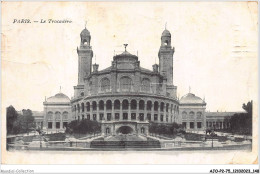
(215, 47)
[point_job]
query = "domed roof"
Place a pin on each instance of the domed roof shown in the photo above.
(191, 99)
(85, 32)
(59, 98)
(125, 54)
(166, 33)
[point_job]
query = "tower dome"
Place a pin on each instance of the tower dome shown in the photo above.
(166, 33)
(85, 32)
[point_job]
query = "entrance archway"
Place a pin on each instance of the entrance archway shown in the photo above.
(125, 130)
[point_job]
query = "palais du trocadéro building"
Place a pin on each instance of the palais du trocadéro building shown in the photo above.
(125, 97)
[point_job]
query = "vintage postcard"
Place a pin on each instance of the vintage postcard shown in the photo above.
(129, 82)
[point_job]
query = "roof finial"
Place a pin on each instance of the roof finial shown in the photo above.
(95, 58)
(86, 24)
(45, 98)
(114, 52)
(60, 89)
(137, 53)
(125, 45)
(189, 89)
(165, 25)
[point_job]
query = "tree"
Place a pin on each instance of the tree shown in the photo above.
(83, 127)
(242, 123)
(24, 123)
(11, 116)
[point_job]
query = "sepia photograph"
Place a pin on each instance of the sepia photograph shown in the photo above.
(129, 82)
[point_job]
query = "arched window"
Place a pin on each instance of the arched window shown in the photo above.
(57, 115)
(184, 115)
(125, 84)
(109, 105)
(78, 106)
(156, 105)
(82, 107)
(50, 115)
(162, 106)
(167, 107)
(88, 106)
(141, 105)
(65, 115)
(199, 115)
(105, 84)
(125, 104)
(145, 85)
(191, 115)
(101, 105)
(149, 106)
(117, 104)
(133, 104)
(94, 105)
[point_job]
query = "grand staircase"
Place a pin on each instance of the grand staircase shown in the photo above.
(125, 144)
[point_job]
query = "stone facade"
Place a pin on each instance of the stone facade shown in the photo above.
(57, 113)
(125, 94)
(125, 97)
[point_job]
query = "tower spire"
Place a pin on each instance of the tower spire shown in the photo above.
(189, 89)
(86, 23)
(60, 89)
(165, 25)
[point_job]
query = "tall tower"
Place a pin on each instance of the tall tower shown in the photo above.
(85, 55)
(165, 55)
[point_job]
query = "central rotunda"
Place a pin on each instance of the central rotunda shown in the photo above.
(124, 97)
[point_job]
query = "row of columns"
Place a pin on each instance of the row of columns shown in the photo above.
(171, 117)
(218, 124)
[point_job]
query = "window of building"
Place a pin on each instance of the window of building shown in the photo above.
(149, 117)
(191, 125)
(155, 117)
(167, 107)
(149, 106)
(105, 84)
(141, 117)
(116, 116)
(101, 105)
(101, 116)
(184, 115)
(133, 104)
(125, 104)
(82, 107)
(167, 119)
(83, 117)
(125, 84)
(94, 105)
(141, 105)
(162, 107)
(108, 105)
(184, 125)
(88, 106)
(117, 104)
(145, 85)
(133, 116)
(57, 115)
(65, 115)
(156, 106)
(191, 115)
(108, 116)
(161, 118)
(88, 117)
(94, 117)
(65, 124)
(125, 116)
(49, 125)
(198, 125)
(50, 115)
(199, 115)
(57, 125)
